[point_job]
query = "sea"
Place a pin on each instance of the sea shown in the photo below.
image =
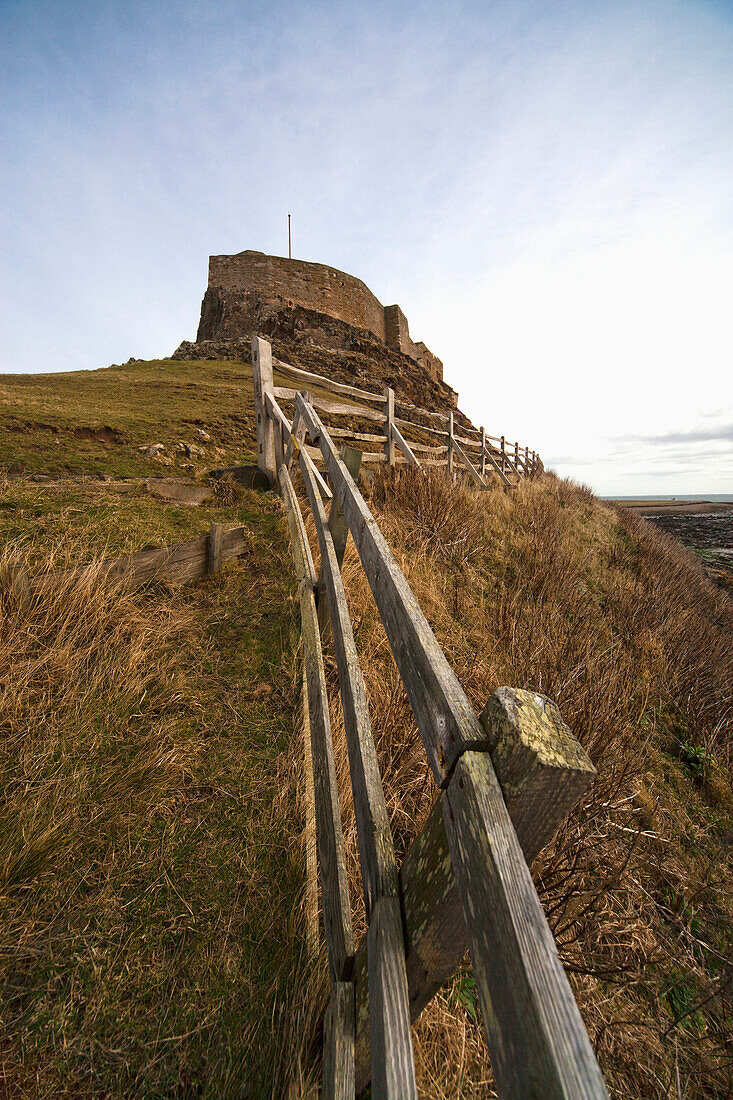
(717, 498)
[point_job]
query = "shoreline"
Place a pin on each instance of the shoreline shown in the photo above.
(672, 507)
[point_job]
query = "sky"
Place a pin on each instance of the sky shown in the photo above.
(545, 188)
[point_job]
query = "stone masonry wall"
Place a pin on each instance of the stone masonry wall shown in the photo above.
(312, 286)
(297, 282)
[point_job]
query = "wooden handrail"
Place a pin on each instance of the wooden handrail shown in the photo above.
(331, 855)
(466, 879)
(532, 1020)
(327, 383)
(392, 1067)
(475, 442)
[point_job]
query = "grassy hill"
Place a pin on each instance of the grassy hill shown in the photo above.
(152, 915)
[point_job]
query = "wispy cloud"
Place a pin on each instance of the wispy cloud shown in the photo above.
(722, 433)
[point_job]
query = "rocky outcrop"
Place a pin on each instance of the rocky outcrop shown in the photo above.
(251, 281)
(321, 344)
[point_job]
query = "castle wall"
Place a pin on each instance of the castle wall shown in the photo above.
(313, 286)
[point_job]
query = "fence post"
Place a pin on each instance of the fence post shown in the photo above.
(18, 581)
(262, 384)
(214, 556)
(450, 444)
(338, 1044)
(339, 529)
(483, 452)
(516, 456)
(389, 448)
(542, 771)
(503, 455)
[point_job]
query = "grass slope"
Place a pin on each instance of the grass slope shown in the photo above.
(150, 862)
(549, 590)
(151, 931)
(151, 875)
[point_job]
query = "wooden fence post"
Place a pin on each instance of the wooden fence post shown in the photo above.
(339, 529)
(542, 771)
(503, 455)
(389, 447)
(483, 452)
(338, 1044)
(516, 456)
(214, 556)
(450, 444)
(526, 457)
(19, 584)
(262, 384)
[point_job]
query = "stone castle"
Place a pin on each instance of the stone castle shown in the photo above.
(235, 282)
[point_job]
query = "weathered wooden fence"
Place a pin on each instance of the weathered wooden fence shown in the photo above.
(179, 564)
(420, 437)
(507, 778)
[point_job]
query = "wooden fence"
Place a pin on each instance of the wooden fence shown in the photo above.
(507, 778)
(403, 432)
(179, 564)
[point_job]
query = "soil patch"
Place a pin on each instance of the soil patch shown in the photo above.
(101, 435)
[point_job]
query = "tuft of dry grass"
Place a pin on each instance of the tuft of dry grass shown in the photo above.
(151, 934)
(548, 589)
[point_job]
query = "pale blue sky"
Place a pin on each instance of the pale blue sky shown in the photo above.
(545, 188)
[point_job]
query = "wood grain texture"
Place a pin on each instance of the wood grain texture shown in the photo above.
(436, 939)
(297, 435)
(399, 404)
(392, 1063)
(451, 445)
(475, 475)
(468, 444)
(186, 562)
(338, 1044)
(359, 412)
(262, 384)
(497, 468)
(376, 851)
(539, 1046)
(309, 830)
(361, 437)
(389, 425)
(214, 557)
(279, 418)
(447, 722)
(404, 446)
(339, 529)
(412, 426)
(331, 854)
(326, 383)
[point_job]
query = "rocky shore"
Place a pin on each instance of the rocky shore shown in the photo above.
(704, 527)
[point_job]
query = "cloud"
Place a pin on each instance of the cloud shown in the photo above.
(722, 433)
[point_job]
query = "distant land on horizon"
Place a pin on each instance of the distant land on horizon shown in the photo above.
(714, 498)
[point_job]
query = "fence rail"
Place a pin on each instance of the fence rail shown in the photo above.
(406, 434)
(507, 779)
(178, 564)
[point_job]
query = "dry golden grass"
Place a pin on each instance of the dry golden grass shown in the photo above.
(550, 590)
(151, 942)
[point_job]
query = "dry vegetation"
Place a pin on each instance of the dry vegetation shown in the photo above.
(150, 872)
(550, 590)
